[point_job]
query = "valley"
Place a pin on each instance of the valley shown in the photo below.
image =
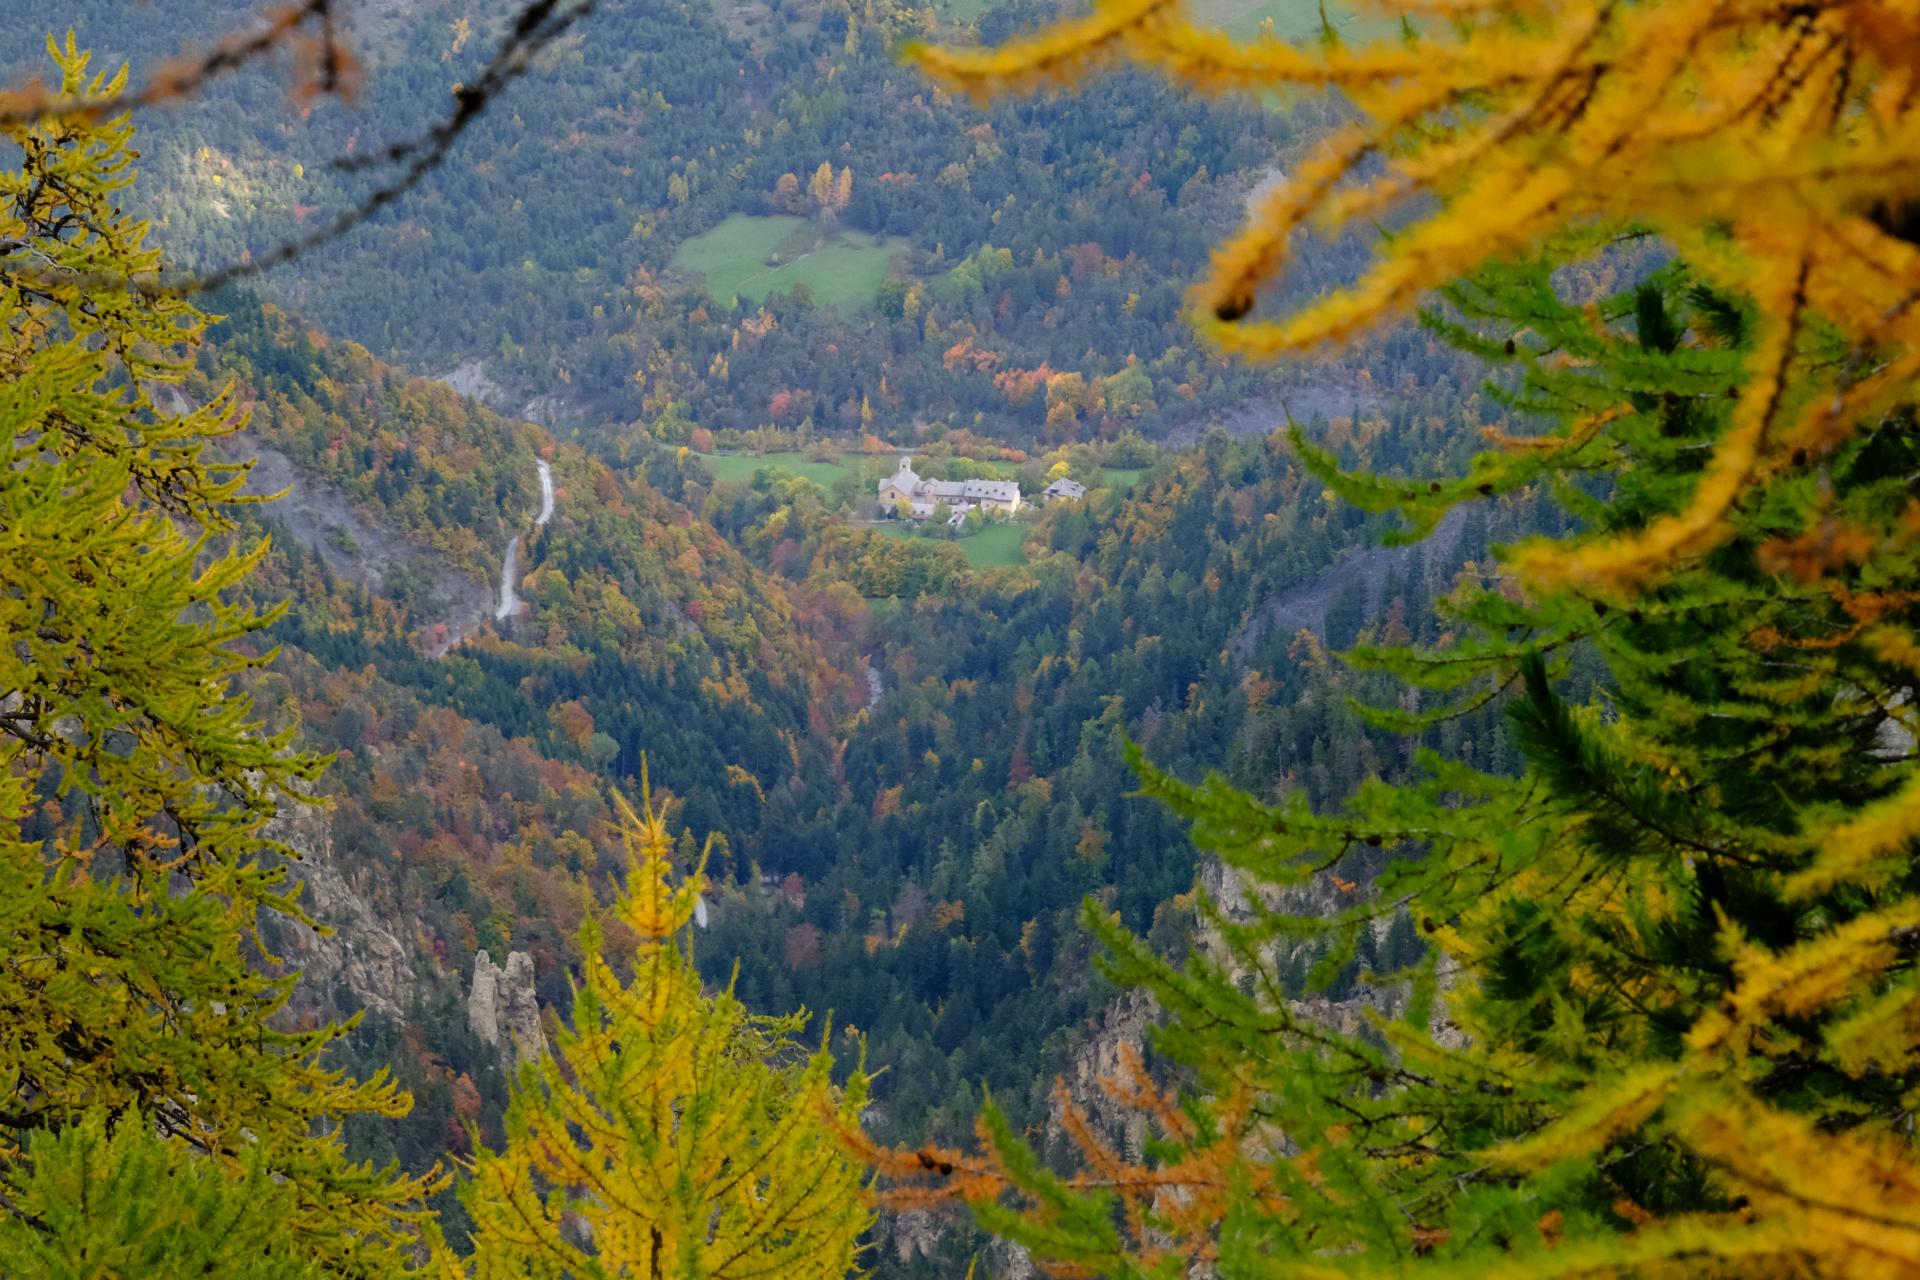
(916, 639)
(687, 331)
(929, 774)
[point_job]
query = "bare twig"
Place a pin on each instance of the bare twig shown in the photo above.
(538, 26)
(535, 28)
(185, 75)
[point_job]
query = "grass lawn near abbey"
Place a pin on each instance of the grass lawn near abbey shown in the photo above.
(727, 467)
(996, 546)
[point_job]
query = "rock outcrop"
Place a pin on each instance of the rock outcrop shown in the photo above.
(1011, 1262)
(917, 1233)
(359, 955)
(1123, 1027)
(1102, 1056)
(910, 1233)
(1319, 897)
(1303, 607)
(501, 1010)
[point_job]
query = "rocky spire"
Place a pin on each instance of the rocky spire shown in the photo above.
(502, 1011)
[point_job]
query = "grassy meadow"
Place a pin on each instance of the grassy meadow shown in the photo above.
(748, 257)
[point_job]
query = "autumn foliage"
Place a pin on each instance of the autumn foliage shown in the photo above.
(1771, 147)
(143, 1051)
(671, 1133)
(1665, 1022)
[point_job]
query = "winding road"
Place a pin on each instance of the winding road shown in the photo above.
(509, 601)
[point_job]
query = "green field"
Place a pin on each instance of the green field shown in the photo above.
(995, 546)
(741, 466)
(730, 467)
(963, 10)
(1295, 21)
(749, 257)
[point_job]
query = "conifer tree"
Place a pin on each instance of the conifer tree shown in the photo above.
(671, 1133)
(1665, 1023)
(88, 1201)
(1681, 946)
(135, 777)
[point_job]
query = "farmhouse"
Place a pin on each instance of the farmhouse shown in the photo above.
(1063, 488)
(905, 492)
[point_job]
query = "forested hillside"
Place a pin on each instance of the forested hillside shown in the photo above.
(598, 252)
(747, 638)
(908, 850)
(915, 765)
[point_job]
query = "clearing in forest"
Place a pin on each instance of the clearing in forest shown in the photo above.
(1296, 21)
(995, 546)
(749, 257)
(742, 466)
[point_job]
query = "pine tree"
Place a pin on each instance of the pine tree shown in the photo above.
(1680, 948)
(129, 916)
(671, 1133)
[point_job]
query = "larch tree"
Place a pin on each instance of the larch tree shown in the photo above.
(135, 777)
(1666, 1023)
(118, 1201)
(1770, 145)
(821, 188)
(671, 1133)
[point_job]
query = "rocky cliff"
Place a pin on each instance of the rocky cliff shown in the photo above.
(501, 1010)
(357, 962)
(1125, 1024)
